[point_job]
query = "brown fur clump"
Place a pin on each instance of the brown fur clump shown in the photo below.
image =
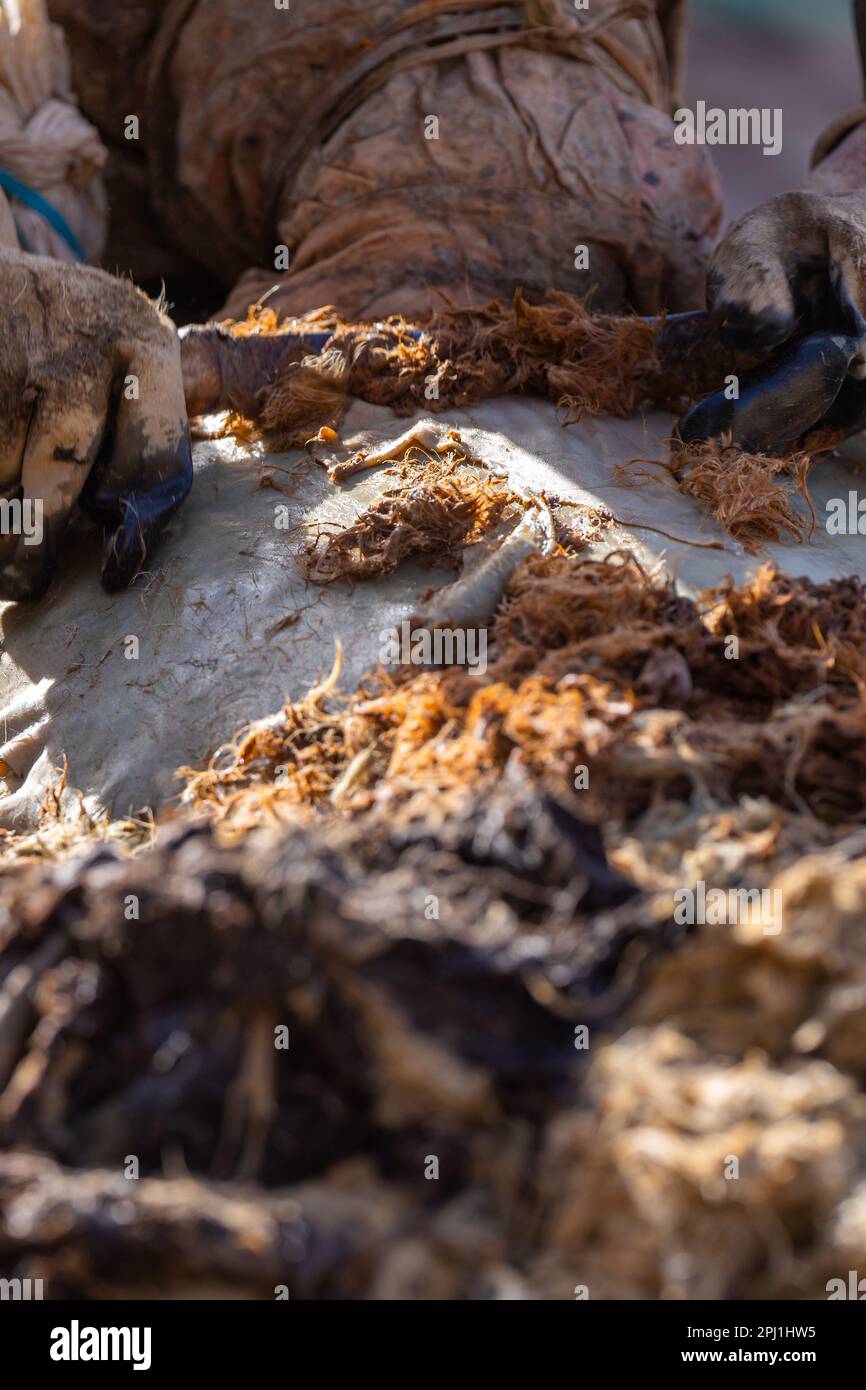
(435, 514)
(595, 365)
(740, 490)
(308, 395)
(592, 662)
(561, 615)
(585, 363)
(813, 632)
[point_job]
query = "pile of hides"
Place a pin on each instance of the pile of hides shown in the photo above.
(413, 170)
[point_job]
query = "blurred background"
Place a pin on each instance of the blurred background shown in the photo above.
(800, 55)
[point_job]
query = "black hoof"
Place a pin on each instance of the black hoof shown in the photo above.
(777, 403)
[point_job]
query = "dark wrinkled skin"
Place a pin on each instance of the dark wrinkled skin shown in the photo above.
(92, 413)
(223, 371)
